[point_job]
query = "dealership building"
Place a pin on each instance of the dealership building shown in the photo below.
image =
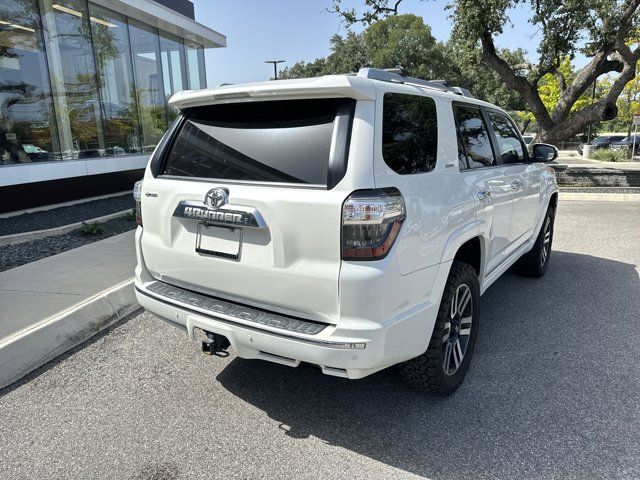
(83, 92)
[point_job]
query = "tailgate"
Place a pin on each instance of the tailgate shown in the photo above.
(243, 205)
(291, 265)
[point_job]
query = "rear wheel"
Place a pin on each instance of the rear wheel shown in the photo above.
(442, 368)
(535, 262)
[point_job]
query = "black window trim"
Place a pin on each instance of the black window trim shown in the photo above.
(338, 153)
(159, 158)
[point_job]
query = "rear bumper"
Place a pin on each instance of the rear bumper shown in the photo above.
(338, 351)
(354, 347)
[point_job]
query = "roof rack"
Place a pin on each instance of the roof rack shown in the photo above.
(398, 75)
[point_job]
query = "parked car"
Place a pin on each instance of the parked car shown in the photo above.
(603, 141)
(627, 144)
(347, 221)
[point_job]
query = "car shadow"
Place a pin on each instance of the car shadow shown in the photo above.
(552, 390)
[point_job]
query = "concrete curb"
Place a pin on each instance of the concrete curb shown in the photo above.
(599, 197)
(50, 232)
(41, 343)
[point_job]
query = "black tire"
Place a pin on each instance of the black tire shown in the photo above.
(535, 262)
(427, 371)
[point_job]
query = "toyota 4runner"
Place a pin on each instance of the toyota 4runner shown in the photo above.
(347, 221)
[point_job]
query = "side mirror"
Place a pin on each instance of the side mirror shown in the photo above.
(543, 152)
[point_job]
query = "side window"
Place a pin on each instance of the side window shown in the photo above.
(475, 136)
(462, 155)
(509, 144)
(409, 133)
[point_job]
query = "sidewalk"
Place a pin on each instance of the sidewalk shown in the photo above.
(53, 304)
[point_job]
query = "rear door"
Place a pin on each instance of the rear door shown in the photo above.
(488, 181)
(522, 176)
(245, 204)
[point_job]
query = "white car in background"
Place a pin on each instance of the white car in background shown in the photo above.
(348, 221)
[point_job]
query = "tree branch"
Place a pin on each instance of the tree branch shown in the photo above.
(516, 82)
(378, 8)
(562, 82)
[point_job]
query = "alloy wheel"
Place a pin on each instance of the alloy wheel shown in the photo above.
(457, 331)
(546, 242)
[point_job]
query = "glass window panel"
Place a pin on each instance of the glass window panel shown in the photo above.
(174, 69)
(509, 144)
(475, 136)
(195, 66)
(115, 80)
(409, 133)
(145, 48)
(27, 123)
(78, 74)
(257, 141)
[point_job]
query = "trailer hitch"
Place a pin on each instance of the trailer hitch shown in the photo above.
(215, 345)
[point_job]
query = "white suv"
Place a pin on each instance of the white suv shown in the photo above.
(348, 221)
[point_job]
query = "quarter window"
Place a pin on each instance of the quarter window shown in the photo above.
(509, 145)
(409, 133)
(475, 136)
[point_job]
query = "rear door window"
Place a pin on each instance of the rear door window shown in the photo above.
(287, 141)
(475, 136)
(409, 133)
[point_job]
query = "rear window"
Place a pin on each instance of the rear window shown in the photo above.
(286, 141)
(409, 133)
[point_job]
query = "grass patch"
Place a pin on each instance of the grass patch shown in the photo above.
(610, 155)
(91, 229)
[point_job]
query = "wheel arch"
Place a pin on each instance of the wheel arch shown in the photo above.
(471, 253)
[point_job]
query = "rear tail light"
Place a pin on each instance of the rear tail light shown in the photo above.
(371, 221)
(137, 198)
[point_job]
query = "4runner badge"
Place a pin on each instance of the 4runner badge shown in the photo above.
(214, 210)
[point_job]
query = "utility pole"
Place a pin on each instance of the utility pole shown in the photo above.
(275, 68)
(593, 98)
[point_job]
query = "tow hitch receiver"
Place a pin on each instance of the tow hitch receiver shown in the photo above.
(215, 345)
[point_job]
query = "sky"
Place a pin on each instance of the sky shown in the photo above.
(294, 30)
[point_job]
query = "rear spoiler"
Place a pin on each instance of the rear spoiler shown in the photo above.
(331, 86)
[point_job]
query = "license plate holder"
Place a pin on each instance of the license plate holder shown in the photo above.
(220, 242)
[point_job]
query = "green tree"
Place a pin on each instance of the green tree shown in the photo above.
(405, 40)
(401, 40)
(605, 31)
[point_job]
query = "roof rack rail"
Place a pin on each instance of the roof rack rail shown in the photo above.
(398, 75)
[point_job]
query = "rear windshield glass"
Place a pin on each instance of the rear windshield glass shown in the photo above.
(285, 141)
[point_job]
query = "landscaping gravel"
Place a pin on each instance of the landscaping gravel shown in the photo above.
(600, 189)
(12, 256)
(57, 217)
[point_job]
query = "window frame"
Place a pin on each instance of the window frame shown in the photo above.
(492, 140)
(338, 153)
(435, 105)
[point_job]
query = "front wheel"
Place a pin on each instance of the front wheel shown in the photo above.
(535, 262)
(442, 368)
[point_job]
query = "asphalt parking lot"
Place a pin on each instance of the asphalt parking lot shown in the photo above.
(553, 392)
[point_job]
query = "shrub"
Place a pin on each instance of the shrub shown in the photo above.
(91, 229)
(610, 155)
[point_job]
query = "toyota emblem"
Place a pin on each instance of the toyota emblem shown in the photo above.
(216, 198)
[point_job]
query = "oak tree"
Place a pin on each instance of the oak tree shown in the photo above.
(605, 31)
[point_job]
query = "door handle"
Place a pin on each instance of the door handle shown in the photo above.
(484, 194)
(516, 185)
